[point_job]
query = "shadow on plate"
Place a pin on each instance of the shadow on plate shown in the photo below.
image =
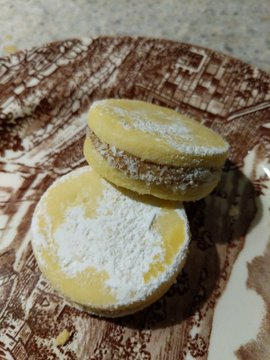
(218, 224)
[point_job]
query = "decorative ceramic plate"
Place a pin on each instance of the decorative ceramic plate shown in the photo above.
(219, 309)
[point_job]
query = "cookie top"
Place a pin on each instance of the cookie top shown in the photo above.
(156, 133)
(103, 248)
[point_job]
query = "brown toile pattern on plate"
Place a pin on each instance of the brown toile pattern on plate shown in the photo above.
(259, 274)
(44, 94)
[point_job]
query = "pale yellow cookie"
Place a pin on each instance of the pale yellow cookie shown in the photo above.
(153, 150)
(112, 252)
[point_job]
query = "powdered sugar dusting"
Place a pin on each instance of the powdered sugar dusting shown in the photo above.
(164, 125)
(120, 239)
(168, 126)
(140, 121)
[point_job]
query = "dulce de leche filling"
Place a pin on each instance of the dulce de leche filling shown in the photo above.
(173, 177)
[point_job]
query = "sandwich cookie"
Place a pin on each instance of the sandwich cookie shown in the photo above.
(153, 150)
(111, 251)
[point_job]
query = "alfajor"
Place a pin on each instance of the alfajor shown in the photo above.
(112, 252)
(153, 150)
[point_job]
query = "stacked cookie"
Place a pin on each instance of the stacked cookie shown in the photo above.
(153, 150)
(113, 236)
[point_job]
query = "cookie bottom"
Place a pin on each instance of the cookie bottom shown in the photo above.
(198, 191)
